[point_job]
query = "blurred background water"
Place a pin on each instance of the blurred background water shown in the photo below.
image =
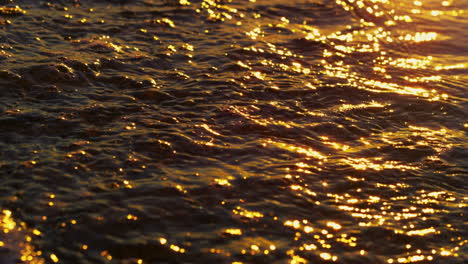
(243, 131)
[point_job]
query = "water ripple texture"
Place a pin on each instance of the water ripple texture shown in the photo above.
(233, 131)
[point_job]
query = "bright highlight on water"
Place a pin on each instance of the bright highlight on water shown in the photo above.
(233, 131)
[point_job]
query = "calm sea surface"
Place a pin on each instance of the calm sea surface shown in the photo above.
(235, 131)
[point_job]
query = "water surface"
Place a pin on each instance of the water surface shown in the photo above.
(299, 131)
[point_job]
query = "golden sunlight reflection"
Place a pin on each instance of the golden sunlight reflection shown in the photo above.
(17, 239)
(373, 104)
(376, 164)
(247, 213)
(373, 210)
(368, 39)
(309, 152)
(356, 57)
(320, 239)
(173, 247)
(233, 231)
(316, 116)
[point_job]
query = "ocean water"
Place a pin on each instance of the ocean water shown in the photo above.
(235, 131)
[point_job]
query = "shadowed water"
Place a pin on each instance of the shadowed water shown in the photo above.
(243, 131)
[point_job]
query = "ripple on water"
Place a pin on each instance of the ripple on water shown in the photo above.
(232, 131)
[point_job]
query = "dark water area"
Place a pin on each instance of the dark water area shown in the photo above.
(267, 131)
